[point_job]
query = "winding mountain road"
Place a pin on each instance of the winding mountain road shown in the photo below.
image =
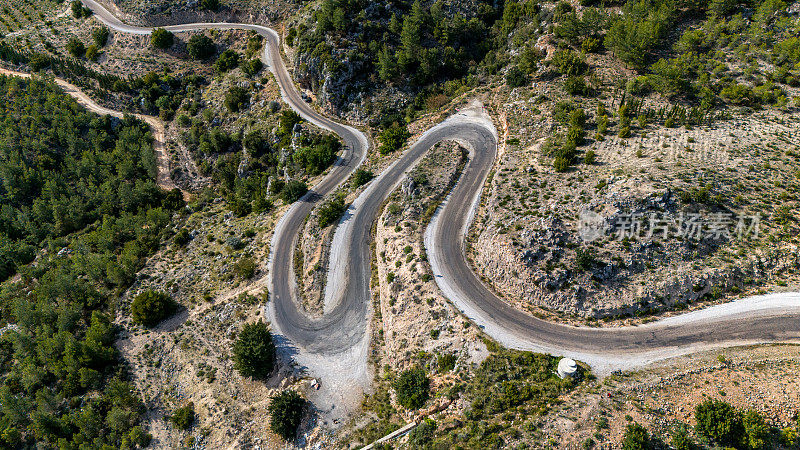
(334, 347)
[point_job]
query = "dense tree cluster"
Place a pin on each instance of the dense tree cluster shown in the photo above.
(252, 188)
(412, 45)
(694, 65)
(152, 93)
(78, 190)
(636, 34)
(63, 168)
(164, 93)
(429, 49)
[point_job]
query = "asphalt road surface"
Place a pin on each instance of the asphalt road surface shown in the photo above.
(756, 320)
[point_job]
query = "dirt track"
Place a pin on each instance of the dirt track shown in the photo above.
(163, 178)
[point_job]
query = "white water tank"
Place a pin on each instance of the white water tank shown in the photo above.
(567, 367)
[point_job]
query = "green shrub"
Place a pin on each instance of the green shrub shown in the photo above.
(286, 410)
(245, 268)
(331, 211)
(393, 138)
(446, 362)
(590, 157)
(736, 93)
(100, 36)
(92, 53)
(719, 422)
(585, 259)
(182, 237)
(79, 11)
(251, 67)
(184, 417)
(150, 308)
(210, 5)
(516, 77)
(361, 177)
(255, 143)
(226, 61)
(423, 434)
(787, 52)
(636, 437)
(293, 191)
(681, 439)
(756, 431)
(642, 85)
(602, 124)
(577, 119)
(591, 45)
(412, 387)
(561, 163)
(562, 110)
(139, 437)
(319, 156)
(161, 38)
(254, 351)
(721, 8)
(76, 48)
(201, 46)
(236, 99)
(575, 85)
(568, 62)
